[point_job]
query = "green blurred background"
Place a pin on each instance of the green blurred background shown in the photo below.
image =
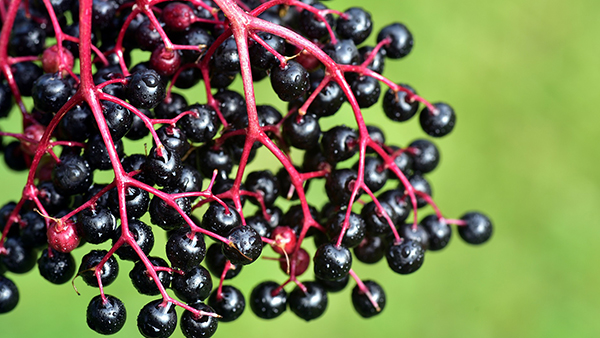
(522, 76)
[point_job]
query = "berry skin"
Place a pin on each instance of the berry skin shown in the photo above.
(425, 155)
(406, 257)
(339, 144)
(58, 269)
(96, 153)
(311, 26)
(25, 74)
(72, 175)
(143, 236)
(90, 261)
(230, 305)
(170, 107)
(9, 295)
(419, 183)
(226, 57)
(440, 123)
(174, 139)
(63, 236)
(419, 235)
(366, 90)
(439, 232)
(478, 229)
(215, 262)
(184, 249)
(264, 303)
(375, 174)
(18, 258)
(118, 118)
(146, 89)
(339, 186)
(378, 63)
(157, 320)
(362, 303)
(143, 282)
(221, 220)
(194, 285)
(246, 246)
(344, 52)
(163, 170)
(331, 262)
(357, 26)
(202, 327)
(355, 232)
(265, 184)
(310, 305)
(34, 232)
(334, 285)
(166, 216)
(396, 105)
(290, 82)
(371, 250)
(136, 201)
(262, 59)
(402, 40)
(106, 317)
(203, 127)
(50, 92)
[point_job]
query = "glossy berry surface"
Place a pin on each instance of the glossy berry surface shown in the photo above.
(265, 303)
(58, 268)
(406, 257)
(192, 285)
(106, 317)
(478, 228)
(331, 262)
(185, 250)
(230, 305)
(245, 247)
(9, 295)
(90, 263)
(290, 82)
(144, 282)
(363, 302)
(157, 319)
(193, 326)
(145, 89)
(311, 304)
(439, 232)
(440, 122)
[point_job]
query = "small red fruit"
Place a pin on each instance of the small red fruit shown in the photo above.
(62, 236)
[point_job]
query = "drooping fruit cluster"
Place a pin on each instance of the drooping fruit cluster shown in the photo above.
(198, 155)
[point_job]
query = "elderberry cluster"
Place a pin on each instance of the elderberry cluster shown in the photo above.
(192, 182)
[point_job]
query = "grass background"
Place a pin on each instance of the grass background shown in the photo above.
(522, 76)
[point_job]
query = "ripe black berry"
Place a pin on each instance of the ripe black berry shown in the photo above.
(193, 285)
(146, 89)
(339, 144)
(184, 249)
(397, 106)
(230, 304)
(166, 216)
(371, 250)
(106, 317)
(402, 40)
(157, 319)
(290, 82)
(163, 169)
(136, 201)
(439, 123)
(50, 92)
(9, 295)
(478, 228)
(72, 175)
(143, 236)
(18, 257)
(59, 268)
(339, 186)
(439, 232)
(406, 257)
(246, 245)
(264, 303)
(200, 128)
(356, 26)
(363, 304)
(418, 234)
(355, 232)
(331, 262)
(89, 263)
(310, 305)
(198, 327)
(215, 262)
(221, 220)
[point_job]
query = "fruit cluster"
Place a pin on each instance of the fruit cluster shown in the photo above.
(79, 118)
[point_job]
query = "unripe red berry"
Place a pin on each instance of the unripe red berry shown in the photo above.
(51, 60)
(62, 236)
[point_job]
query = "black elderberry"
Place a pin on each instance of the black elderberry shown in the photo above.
(290, 82)
(334, 285)
(264, 183)
(52, 200)
(420, 184)
(118, 119)
(478, 228)
(285, 184)
(136, 202)
(343, 52)
(308, 305)
(371, 250)
(301, 132)
(14, 157)
(6, 100)
(163, 168)
(136, 162)
(215, 262)
(18, 258)
(328, 101)
(78, 123)
(57, 268)
(96, 152)
(354, 233)
(357, 25)
(157, 319)
(198, 327)
(170, 107)
(5, 212)
(416, 234)
(226, 57)
(89, 264)
(245, 247)
(275, 216)
(401, 40)
(33, 233)
(363, 302)
(339, 144)
(72, 175)
(312, 26)
(425, 156)
(339, 186)
(264, 303)
(174, 139)
(50, 92)
(106, 317)
(185, 249)
(97, 225)
(440, 122)
(406, 257)
(146, 36)
(212, 158)
(366, 90)
(231, 104)
(375, 175)
(220, 219)
(143, 281)
(331, 262)
(146, 89)
(200, 128)
(28, 38)
(166, 216)
(439, 232)
(9, 295)
(195, 35)
(259, 224)
(143, 236)
(25, 74)
(397, 106)
(378, 61)
(404, 162)
(230, 305)
(260, 57)
(193, 285)
(138, 129)
(268, 115)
